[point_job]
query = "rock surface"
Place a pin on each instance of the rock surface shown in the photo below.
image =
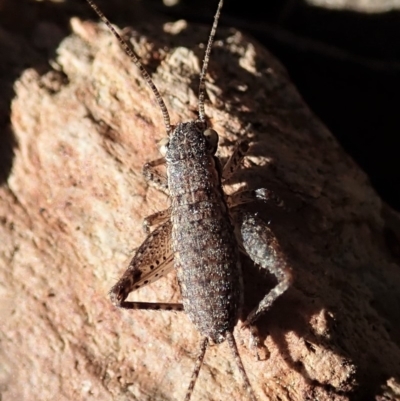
(74, 198)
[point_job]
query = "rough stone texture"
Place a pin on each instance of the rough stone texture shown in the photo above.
(71, 211)
(366, 6)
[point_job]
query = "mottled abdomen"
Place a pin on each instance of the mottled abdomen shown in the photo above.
(208, 271)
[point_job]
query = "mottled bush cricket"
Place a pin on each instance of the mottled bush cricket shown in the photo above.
(203, 231)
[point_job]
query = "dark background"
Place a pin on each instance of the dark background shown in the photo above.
(346, 64)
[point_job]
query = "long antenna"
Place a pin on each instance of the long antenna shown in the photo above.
(206, 60)
(135, 58)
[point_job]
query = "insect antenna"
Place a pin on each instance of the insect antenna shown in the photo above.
(135, 59)
(206, 60)
(239, 364)
(197, 367)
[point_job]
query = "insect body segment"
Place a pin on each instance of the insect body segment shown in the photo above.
(201, 233)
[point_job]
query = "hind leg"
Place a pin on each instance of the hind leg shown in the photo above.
(263, 248)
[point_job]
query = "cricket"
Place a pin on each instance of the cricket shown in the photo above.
(203, 232)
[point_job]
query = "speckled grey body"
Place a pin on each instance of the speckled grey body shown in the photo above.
(206, 254)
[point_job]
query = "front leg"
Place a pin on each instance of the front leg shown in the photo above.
(160, 182)
(154, 178)
(263, 248)
(155, 219)
(235, 160)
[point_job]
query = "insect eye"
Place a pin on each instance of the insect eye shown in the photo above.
(212, 139)
(163, 146)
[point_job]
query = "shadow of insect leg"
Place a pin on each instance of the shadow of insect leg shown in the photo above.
(174, 307)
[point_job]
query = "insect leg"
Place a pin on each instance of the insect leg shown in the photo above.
(153, 260)
(234, 160)
(155, 219)
(247, 196)
(263, 248)
(156, 179)
(197, 367)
